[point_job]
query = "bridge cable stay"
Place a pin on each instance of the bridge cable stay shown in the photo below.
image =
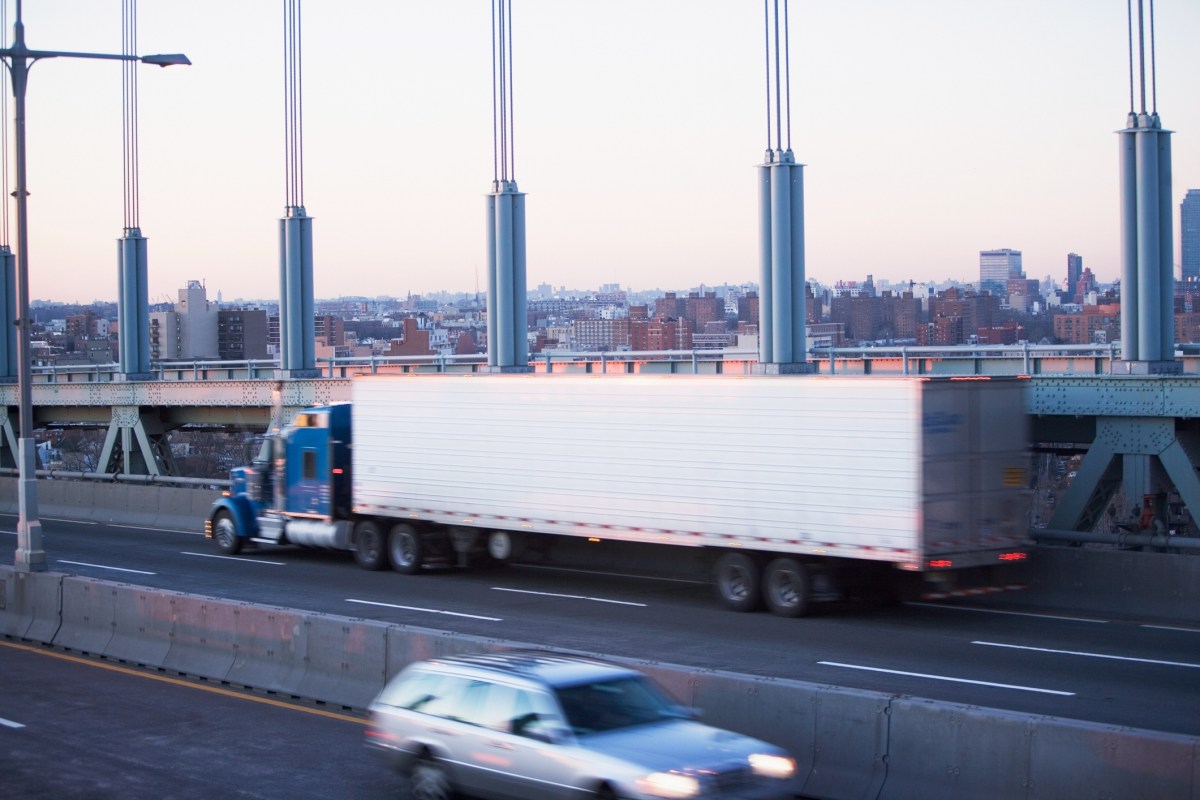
(782, 335)
(297, 328)
(8, 266)
(133, 296)
(507, 329)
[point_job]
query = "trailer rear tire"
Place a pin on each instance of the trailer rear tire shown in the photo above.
(787, 587)
(737, 578)
(406, 549)
(369, 549)
(225, 533)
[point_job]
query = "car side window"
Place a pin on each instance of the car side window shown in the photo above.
(413, 691)
(535, 715)
(452, 701)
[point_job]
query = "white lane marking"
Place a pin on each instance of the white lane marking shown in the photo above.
(8, 723)
(425, 610)
(1010, 613)
(101, 566)
(234, 558)
(14, 533)
(1171, 628)
(946, 678)
(75, 521)
(611, 574)
(1091, 655)
(149, 528)
(569, 596)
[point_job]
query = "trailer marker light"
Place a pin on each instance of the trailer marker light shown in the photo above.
(941, 563)
(1013, 556)
(337, 470)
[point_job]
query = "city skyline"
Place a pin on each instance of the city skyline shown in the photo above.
(931, 131)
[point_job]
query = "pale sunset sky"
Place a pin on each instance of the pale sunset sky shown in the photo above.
(931, 129)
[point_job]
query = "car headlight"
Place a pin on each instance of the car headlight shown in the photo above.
(772, 766)
(669, 785)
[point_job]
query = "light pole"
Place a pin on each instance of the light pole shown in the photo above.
(18, 58)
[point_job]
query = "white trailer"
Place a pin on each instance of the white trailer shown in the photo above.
(794, 485)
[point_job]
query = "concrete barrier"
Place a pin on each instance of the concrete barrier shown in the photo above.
(1123, 761)
(345, 660)
(203, 633)
(943, 751)
(88, 615)
(30, 604)
(142, 626)
(269, 645)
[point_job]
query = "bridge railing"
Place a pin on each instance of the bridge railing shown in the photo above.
(1019, 359)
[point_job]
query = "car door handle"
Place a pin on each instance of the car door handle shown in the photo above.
(442, 731)
(499, 744)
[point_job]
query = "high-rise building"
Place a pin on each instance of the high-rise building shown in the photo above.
(189, 331)
(1189, 235)
(1074, 273)
(996, 267)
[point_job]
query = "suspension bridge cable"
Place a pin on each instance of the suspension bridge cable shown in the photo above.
(495, 101)
(1142, 51)
(129, 106)
(778, 116)
(787, 71)
(513, 138)
(767, 62)
(293, 106)
(1153, 66)
(1129, 19)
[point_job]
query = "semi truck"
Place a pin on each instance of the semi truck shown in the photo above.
(783, 490)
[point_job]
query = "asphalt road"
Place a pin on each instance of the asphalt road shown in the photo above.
(72, 727)
(1130, 672)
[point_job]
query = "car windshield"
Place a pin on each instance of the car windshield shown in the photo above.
(613, 704)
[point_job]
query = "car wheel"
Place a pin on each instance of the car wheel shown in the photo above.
(429, 781)
(369, 549)
(787, 587)
(225, 533)
(405, 549)
(737, 581)
(606, 793)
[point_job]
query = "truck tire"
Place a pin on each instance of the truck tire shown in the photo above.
(370, 550)
(504, 546)
(405, 548)
(787, 587)
(225, 533)
(737, 578)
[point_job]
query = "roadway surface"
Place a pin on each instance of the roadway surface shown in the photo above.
(1127, 672)
(72, 727)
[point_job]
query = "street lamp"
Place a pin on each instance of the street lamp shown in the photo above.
(18, 58)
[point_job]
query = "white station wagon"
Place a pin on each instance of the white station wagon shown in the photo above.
(539, 726)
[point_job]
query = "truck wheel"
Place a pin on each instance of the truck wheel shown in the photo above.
(406, 549)
(504, 546)
(369, 550)
(225, 533)
(787, 587)
(737, 581)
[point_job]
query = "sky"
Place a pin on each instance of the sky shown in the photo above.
(930, 130)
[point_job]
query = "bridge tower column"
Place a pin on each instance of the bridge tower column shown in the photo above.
(133, 306)
(133, 294)
(1147, 264)
(782, 317)
(507, 289)
(8, 314)
(297, 329)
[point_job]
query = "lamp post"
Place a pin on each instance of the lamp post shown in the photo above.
(30, 556)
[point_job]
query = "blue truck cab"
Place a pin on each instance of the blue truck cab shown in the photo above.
(299, 494)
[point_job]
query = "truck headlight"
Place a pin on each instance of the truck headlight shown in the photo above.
(669, 785)
(772, 766)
